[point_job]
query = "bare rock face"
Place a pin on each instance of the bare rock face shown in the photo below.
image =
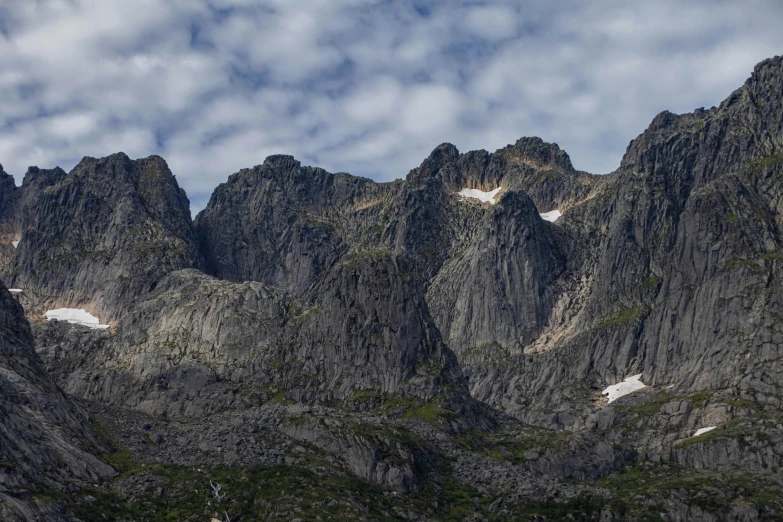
(500, 288)
(278, 223)
(196, 341)
(182, 351)
(371, 331)
(680, 250)
(101, 236)
(45, 443)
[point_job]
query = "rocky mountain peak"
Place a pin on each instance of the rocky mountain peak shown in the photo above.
(6, 181)
(541, 155)
(769, 71)
(443, 153)
(100, 236)
(118, 168)
(42, 177)
(283, 162)
(440, 156)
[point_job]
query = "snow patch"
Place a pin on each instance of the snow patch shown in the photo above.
(702, 431)
(621, 389)
(551, 216)
(74, 316)
(15, 243)
(15, 290)
(485, 197)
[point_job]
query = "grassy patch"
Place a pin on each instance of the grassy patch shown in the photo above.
(278, 492)
(406, 406)
(706, 489)
(398, 405)
(704, 437)
(123, 461)
(432, 413)
(365, 396)
(650, 407)
(621, 317)
(699, 399)
(737, 427)
(513, 449)
(737, 403)
(397, 433)
(45, 494)
(98, 430)
(280, 397)
(731, 263)
(758, 165)
(149, 440)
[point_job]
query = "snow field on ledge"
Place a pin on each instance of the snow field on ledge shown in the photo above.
(74, 316)
(485, 197)
(621, 389)
(489, 197)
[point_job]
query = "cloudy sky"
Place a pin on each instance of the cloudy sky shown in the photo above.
(363, 86)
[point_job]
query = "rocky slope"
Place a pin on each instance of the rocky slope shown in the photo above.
(196, 341)
(46, 447)
(405, 352)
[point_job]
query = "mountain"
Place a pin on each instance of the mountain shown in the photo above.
(99, 237)
(326, 347)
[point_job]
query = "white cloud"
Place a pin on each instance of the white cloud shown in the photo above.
(363, 86)
(429, 109)
(376, 101)
(493, 22)
(72, 125)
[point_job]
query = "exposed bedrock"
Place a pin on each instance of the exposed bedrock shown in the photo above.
(45, 442)
(100, 237)
(199, 345)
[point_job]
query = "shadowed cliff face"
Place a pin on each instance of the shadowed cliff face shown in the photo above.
(44, 439)
(8, 232)
(500, 289)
